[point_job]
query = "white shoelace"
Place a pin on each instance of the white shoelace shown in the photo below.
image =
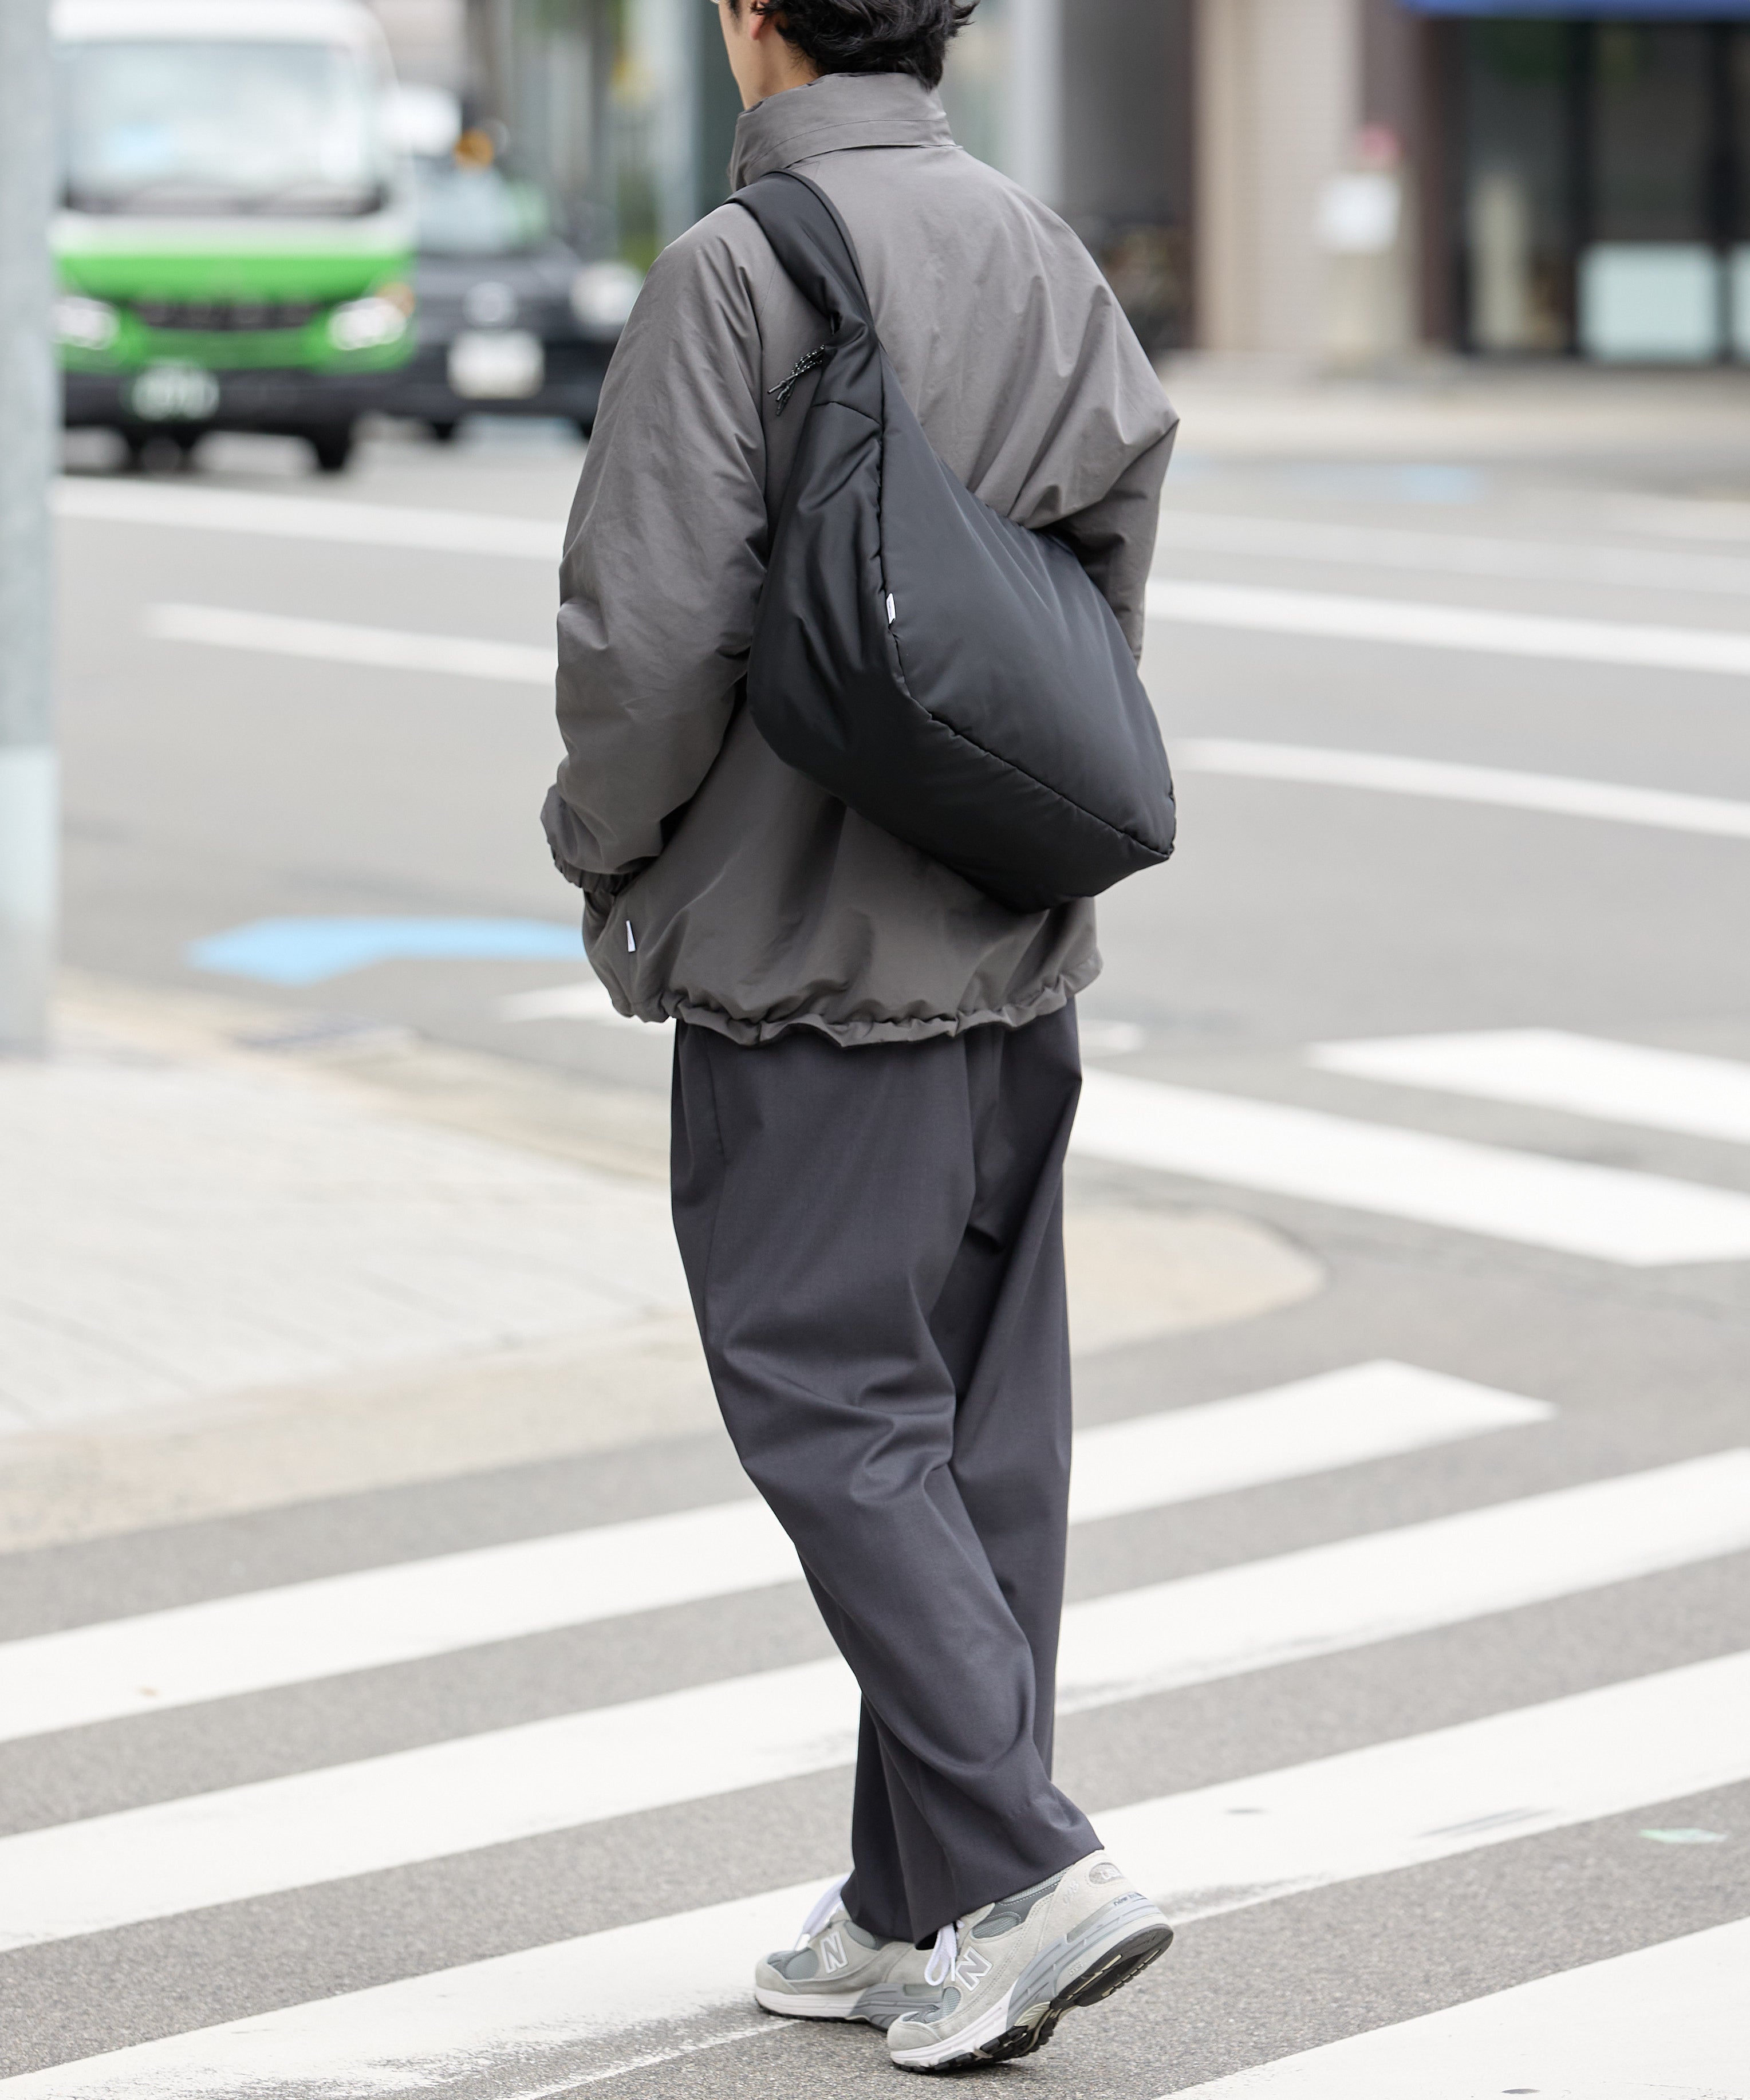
(817, 1917)
(943, 1966)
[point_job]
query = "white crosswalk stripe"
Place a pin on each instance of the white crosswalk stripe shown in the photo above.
(1668, 2022)
(396, 1614)
(457, 1796)
(1549, 1068)
(1397, 1804)
(1640, 1220)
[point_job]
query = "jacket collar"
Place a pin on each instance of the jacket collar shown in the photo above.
(839, 110)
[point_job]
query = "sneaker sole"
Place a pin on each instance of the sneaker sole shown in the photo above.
(822, 2005)
(1109, 1971)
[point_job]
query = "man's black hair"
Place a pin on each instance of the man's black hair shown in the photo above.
(869, 36)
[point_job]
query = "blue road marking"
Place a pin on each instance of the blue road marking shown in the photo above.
(305, 951)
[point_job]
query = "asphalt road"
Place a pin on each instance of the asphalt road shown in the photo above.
(1553, 1012)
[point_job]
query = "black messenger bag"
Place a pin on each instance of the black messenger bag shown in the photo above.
(955, 678)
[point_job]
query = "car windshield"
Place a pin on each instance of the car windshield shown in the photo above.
(475, 211)
(179, 127)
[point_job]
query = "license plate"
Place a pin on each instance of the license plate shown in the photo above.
(174, 394)
(506, 365)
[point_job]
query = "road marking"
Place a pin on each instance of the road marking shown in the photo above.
(329, 641)
(345, 1623)
(1211, 604)
(1424, 1798)
(1658, 808)
(308, 518)
(1397, 1804)
(1340, 1418)
(1452, 553)
(1548, 1068)
(1325, 1599)
(1642, 1220)
(306, 951)
(1340, 618)
(465, 1794)
(343, 524)
(1669, 2023)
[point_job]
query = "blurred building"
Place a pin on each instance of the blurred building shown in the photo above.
(1316, 181)
(1590, 179)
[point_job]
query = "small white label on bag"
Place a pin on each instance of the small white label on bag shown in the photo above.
(632, 946)
(892, 612)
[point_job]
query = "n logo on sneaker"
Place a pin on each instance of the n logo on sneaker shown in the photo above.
(832, 1953)
(972, 1968)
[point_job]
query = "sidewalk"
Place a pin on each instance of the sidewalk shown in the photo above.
(1689, 431)
(249, 1263)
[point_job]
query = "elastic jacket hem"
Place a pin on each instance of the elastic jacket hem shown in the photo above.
(851, 1035)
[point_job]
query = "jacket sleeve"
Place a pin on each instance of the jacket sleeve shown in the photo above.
(1105, 438)
(1114, 538)
(664, 554)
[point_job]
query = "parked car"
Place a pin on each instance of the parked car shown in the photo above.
(510, 320)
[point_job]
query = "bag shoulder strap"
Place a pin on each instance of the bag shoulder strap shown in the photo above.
(810, 241)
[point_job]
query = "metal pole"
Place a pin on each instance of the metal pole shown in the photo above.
(1033, 152)
(29, 828)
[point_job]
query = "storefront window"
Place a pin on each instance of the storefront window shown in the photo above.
(1516, 191)
(1606, 197)
(1649, 283)
(1650, 131)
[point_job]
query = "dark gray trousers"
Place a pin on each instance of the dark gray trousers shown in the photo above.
(874, 1241)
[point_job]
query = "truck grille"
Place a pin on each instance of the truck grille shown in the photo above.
(213, 317)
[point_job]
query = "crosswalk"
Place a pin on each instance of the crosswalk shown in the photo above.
(1219, 1849)
(473, 1792)
(1666, 2023)
(1572, 1528)
(1640, 1220)
(1242, 1842)
(396, 1614)
(1625, 1082)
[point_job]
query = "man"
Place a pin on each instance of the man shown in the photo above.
(875, 1064)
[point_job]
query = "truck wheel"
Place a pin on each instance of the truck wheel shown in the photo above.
(443, 432)
(332, 447)
(134, 451)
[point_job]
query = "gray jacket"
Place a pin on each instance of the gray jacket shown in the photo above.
(721, 885)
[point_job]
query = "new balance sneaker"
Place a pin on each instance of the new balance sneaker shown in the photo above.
(837, 1971)
(1006, 1974)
